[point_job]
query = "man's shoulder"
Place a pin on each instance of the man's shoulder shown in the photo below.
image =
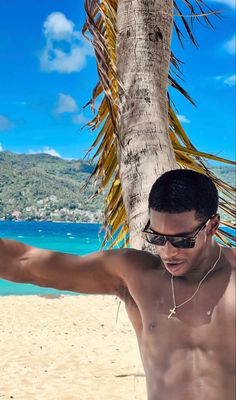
(133, 266)
(136, 259)
(230, 255)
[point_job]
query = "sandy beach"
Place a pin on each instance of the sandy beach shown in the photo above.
(68, 348)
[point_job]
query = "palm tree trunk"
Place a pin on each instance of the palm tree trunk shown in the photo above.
(145, 151)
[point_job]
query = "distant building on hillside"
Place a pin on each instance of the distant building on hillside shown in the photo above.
(16, 214)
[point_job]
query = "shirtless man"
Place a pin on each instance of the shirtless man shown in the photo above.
(181, 303)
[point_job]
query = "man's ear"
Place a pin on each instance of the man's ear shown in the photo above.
(213, 225)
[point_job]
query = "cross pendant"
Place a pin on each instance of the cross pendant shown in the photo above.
(172, 311)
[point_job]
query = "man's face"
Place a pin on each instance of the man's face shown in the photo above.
(180, 261)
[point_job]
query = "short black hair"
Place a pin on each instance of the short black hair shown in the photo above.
(183, 190)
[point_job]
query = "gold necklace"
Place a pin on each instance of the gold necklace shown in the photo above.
(175, 306)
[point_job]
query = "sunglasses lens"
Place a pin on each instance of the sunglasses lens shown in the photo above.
(158, 240)
(182, 242)
(179, 242)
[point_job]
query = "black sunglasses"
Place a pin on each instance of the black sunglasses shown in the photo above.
(181, 242)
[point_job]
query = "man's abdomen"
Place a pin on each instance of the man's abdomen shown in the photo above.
(190, 374)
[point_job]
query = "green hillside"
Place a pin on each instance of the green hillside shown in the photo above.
(43, 187)
(40, 186)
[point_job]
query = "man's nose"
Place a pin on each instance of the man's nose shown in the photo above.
(169, 251)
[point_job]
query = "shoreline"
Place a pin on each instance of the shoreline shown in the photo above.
(67, 222)
(59, 221)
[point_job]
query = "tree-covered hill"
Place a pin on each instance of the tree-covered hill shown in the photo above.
(43, 187)
(40, 186)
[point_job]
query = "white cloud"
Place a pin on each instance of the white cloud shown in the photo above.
(183, 119)
(52, 152)
(55, 59)
(5, 123)
(230, 46)
(66, 104)
(227, 80)
(46, 150)
(230, 81)
(80, 119)
(229, 3)
(66, 50)
(58, 27)
(1, 147)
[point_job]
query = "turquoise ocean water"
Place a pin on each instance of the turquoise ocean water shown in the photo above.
(71, 238)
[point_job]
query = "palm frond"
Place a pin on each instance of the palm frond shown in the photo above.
(196, 10)
(100, 30)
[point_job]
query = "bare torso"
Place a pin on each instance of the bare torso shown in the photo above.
(190, 355)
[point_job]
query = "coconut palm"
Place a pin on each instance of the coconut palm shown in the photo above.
(140, 136)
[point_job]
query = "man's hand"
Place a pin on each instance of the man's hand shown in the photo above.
(97, 273)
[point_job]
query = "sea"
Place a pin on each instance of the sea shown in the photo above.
(73, 238)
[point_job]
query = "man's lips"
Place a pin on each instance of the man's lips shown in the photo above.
(173, 265)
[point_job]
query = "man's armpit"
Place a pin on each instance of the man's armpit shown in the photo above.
(124, 294)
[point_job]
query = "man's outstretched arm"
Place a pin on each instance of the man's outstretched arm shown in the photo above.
(96, 273)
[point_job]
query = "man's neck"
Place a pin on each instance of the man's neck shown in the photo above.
(210, 259)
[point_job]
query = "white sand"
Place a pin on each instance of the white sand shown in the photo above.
(68, 348)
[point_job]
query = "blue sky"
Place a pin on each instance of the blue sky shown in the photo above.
(47, 72)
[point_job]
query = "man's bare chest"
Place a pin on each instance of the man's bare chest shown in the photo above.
(206, 323)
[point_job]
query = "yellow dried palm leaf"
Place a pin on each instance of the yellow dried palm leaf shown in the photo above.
(101, 25)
